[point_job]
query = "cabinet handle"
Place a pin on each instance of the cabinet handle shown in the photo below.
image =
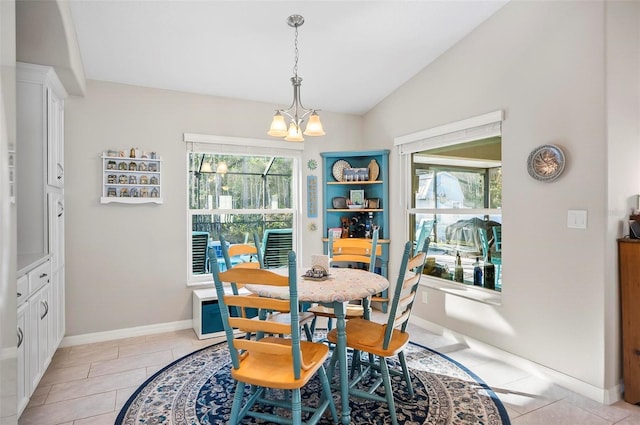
(19, 294)
(46, 309)
(636, 352)
(20, 338)
(61, 173)
(43, 275)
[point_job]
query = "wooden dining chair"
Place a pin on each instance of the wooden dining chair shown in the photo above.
(345, 252)
(245, 251)
(271, 362)
(383, 340)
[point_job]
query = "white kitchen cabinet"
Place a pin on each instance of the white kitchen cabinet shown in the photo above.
(23, 388)
(39, 167)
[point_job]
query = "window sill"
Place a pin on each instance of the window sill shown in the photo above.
(474, 293)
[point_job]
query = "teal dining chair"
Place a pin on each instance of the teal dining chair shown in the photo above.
(271, 362)
(384, 340)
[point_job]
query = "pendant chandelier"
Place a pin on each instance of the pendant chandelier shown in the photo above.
(296, 113)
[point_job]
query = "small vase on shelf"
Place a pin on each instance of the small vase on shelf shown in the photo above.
(374, 170)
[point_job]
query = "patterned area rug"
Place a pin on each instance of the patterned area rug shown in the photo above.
(198, 390)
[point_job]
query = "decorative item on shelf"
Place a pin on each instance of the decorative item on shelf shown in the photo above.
(345, 227)
(133, 180)
(124, 192)
(144, 180)
(356, 197)
(296, 112)
(355, 174)
(122, 166)
(142, 166)
(111, 192)
(155, 193)
(338, 168)
(121, 154)
(374, 203)
(153, 180)
(144, 192)
(111, 165)
(132, 153)
(336, 231)
(133, 166)
(122, 179)
(134, 192)
(374, 170)
(112, 153)
(339, 202)
(112, 179)
(152, 155)
(153, 167)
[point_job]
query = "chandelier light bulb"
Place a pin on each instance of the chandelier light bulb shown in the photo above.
(314, 126)
(294, 134)
(278, 126)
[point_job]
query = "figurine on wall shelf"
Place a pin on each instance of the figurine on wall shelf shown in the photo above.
(345, 227)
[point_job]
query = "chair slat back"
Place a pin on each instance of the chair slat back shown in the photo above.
(242, 251)
(228, 300)
(497, 238)
(355, 250)
(405, 291)
(424, 231)
(484, 241)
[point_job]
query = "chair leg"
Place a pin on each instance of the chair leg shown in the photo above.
(386, 381)
(308, 332)
(405, 372)
(326, 389)
(234, 419)
(296, 407)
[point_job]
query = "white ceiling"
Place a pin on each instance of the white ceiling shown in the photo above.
(352, 53)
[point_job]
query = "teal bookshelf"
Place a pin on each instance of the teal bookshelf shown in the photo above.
(336, 186)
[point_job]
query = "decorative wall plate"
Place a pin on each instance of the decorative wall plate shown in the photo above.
(312, 164)
(546, 163)
(338, 167)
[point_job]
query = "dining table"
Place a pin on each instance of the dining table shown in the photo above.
(336, 290)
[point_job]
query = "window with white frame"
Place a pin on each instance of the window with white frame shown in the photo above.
(454, 182)
(236, 194)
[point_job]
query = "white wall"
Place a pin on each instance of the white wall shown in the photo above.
(544, 64)
(126, 265)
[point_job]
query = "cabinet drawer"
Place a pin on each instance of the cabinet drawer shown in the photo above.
(22, 288)
(39, 276)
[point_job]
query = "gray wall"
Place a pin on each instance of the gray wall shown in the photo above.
(549, 66)
(126, 265)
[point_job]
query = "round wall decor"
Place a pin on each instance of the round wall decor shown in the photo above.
(546, 163)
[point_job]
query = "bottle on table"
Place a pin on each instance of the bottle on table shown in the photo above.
(477, 273)
(459, 271)
(489, 273)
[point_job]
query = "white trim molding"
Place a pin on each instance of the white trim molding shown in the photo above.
(240, 142)
(69, 341)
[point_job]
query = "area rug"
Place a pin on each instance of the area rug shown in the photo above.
(198, 390)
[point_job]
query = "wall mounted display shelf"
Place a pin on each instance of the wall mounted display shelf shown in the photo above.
(349, 176)
(130, 180)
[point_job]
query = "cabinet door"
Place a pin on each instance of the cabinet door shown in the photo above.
(56, 310)
(55, 139)
(39, 349)
(23, 386)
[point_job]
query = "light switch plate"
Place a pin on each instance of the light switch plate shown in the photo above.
(577, 219)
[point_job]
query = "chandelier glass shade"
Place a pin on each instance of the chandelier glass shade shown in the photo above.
(296, 113)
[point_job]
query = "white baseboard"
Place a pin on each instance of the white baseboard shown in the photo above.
(601, 395)
(68, 341)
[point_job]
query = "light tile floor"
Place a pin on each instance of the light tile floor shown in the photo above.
(89, 384)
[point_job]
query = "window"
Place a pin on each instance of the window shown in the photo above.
(236, 194)
(455, 186)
